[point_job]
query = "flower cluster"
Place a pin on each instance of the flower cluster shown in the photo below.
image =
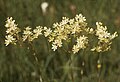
(12, 31)
(30, 35)
(82, 41)
(104, 38)
(47, 31)
(65, 31)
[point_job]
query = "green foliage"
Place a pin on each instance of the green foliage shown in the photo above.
(18, 64)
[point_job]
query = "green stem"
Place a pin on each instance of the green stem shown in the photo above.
(99, 68)
(34, 51)
(71, 65)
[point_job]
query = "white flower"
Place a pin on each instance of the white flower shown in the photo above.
(54, 47)
(47, 31)
(58, 42)
(71, 21)
(75, 49)
(55, 25)
(91, 30)
(9, 39)
(27, 33)
(37, 32)
(10, 22)
(82, 41)
(80, 18)
(64, 21)
(113, 36)
(98, 49)
(45, 28)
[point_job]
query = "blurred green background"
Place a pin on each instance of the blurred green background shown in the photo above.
(17, 64)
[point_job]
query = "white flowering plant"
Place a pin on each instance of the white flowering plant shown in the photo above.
(74, 32)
